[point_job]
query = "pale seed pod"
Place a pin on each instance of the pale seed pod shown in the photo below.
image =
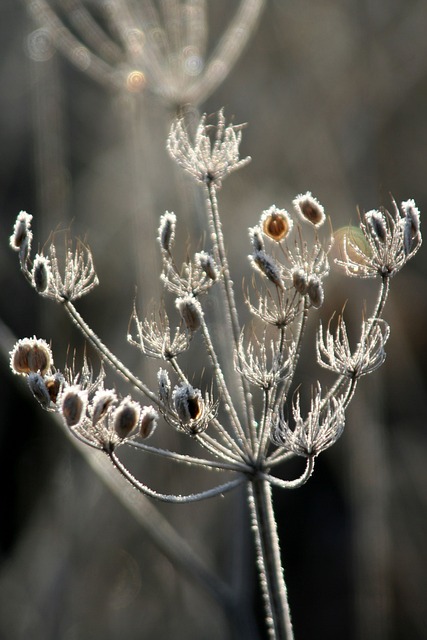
(102, 401)
(315, 291)
(268, 267)
(166, 235)
(190, 312)
(126, 417)
(256, 239)
(31, 355)
(21, 231)
(188, 403)
(310, 209)
(53, 385)
(148, 422)
(73, 404)
(207, 264)
(376, 224)
(39, 389)
(299, 280)
(41, 273)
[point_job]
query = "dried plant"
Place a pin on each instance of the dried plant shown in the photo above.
(132, 45)
(245, 434)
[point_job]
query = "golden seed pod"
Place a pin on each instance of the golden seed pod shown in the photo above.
(276, 223)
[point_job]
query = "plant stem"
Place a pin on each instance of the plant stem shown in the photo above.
(269, 563)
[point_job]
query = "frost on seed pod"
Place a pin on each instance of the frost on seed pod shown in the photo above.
(39, 389)
(21, 230)
(41, 273)
(268, 267)
(166, 235)
(207, 264)
(148, 422)
(376, 224)
(30, 355)
(73, 404)
(126, 417)
(190, 311)
(310, 209)
(315, 291)
(188, 403)
(276, 223)
(299, 280)
(102, 401)
(256, 239)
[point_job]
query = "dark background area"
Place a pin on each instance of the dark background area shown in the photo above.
(335, 97)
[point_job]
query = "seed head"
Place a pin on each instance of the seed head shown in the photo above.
(268, 267)
(188, 403)
(41, 273)
(310, 209)
(315, 291)
(206, 263)
(190, 311)
(148, 422)
(276, 223)
(39, 390)
(31, 355)
(166, 235)
(102, 401)
(22, 234)
(126, 417)
(73, 403)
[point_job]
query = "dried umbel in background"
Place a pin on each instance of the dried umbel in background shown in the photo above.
(245, 414)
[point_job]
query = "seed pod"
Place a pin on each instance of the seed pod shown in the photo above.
(102, 401)
(376, 224)
(31, 355)
(256, 239)
(188, 403)
(126, 417)
(190, 311)
(53, 385)
(148, 422)
(39, 389)
(268, 267)
(276, 223)
(73, 405)
(41, 273)
(207, 263)
(167, 230)
(21, 231)
(310, 209)
(315, 291)
(300, 281)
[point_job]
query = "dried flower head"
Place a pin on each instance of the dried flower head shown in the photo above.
(207, 264)
(31, 355)
(334, 352)
(276, 223)
(319, 430)
(310, 209)
(208, 159)
(103, 401)
(391, 240)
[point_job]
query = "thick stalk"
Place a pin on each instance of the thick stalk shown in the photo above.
(270, 569)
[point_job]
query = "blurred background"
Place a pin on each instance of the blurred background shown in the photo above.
(335, 97)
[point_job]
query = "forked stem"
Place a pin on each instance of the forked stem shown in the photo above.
(269, 562)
